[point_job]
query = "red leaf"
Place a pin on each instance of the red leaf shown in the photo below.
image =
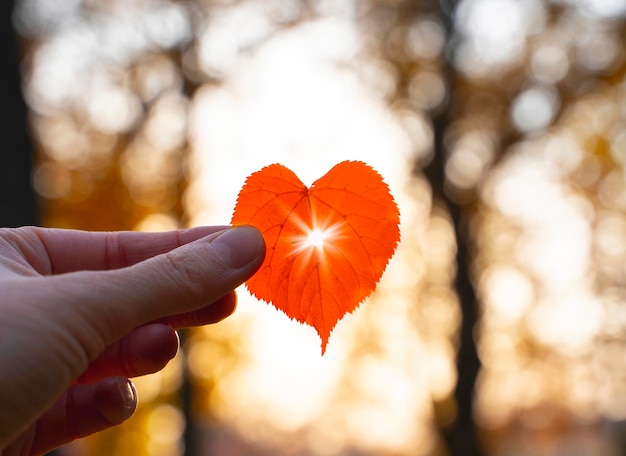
(327, 246)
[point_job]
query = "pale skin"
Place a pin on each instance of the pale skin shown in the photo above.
(82, 312)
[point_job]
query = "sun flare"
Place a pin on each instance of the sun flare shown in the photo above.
(320, 238)
(316, 238)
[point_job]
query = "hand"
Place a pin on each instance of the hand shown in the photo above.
(80, 312)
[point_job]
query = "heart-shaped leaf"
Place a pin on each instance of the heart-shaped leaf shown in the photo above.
(327, 246)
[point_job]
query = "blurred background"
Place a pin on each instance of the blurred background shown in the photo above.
(499, 326)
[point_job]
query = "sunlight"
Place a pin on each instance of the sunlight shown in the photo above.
(495, 32)
(316, 238)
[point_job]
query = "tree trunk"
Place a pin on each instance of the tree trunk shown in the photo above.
(17, 201)
(461, 437)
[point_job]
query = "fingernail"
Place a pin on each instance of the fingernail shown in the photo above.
(116, 399)
(127, 393)
(239, 245)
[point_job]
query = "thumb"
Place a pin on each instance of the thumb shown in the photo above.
(105, 305)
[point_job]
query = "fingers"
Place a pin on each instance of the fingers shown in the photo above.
(55, 251)
(210, 314)
(144, 350)
(83, 410)
(90, 407)
(149, 348)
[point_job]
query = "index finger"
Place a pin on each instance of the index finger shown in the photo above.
(56, 251)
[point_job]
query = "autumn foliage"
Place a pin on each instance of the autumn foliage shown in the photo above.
(327, 246)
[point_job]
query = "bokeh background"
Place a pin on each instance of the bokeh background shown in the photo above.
(499, 326)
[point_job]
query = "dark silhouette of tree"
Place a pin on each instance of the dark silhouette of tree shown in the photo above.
(460, 437)
(17, 202)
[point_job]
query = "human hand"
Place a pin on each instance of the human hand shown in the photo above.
(80, 312)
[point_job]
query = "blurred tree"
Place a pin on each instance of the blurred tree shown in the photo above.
(17, 200)
(395, 41)
(510, 72)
